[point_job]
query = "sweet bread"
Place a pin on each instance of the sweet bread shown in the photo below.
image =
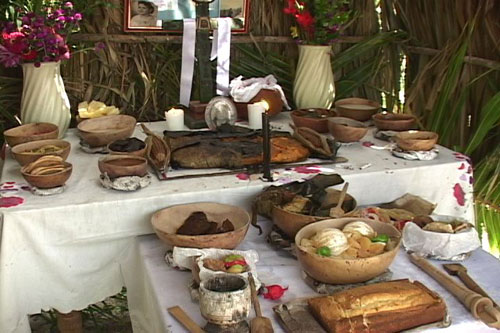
(381, 307)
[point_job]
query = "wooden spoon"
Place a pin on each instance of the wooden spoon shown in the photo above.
(258, 324)
(337, 211)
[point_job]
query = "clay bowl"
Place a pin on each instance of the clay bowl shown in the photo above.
(356, 108)
(166, 222)
(123, 165)
(346, 129)
(23, 155)
(416, 140)
(316, 119)
(48, 181)
(119, 147)
(343, 271)
(393, 121)
(30, 132)
(102, 131)
(290, 223)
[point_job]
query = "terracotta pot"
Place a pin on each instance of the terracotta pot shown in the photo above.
(344, 271)
(416, 140)
(316, 119)
(360, 109)
(166, 222)
(48, 181)
(393, 121)
(23, 155)
(123, 165)
(102, 131)
(346, 129)
(30, 132)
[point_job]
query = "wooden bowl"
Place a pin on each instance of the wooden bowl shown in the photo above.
(394, 121)
(416, 140)
(316, 119)
(23, 152)
(118, 147)
(30, 132)
(356, 108)
(123, 165)
(102, 131)
(344, 271)
(290, 223)
(166, 222)
(346, 129)
(48, 181)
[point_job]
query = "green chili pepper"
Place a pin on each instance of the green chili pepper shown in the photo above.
(324, 251)
(382, 238)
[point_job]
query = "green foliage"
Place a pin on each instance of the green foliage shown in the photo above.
(487, 185)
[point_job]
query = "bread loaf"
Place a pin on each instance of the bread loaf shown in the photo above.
(382, 307)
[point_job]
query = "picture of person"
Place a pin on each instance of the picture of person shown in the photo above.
(146, 15)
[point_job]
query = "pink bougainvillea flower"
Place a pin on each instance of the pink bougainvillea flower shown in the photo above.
(274, 291)
(367, 144)
(243, 176)
(6, 202)
(307, 169)
(459, 194)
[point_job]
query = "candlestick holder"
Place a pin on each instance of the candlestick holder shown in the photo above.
(266, 148)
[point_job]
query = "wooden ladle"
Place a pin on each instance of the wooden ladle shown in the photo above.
(337, 211)
(259, 324)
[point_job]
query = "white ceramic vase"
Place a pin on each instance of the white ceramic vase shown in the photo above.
(314, 86)
(44, 97)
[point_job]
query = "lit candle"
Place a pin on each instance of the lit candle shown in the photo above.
(266, 148)
(255, 112)
(175, 119)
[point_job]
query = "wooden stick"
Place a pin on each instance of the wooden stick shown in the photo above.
(481, 307)
(184, 319)
(256, 170)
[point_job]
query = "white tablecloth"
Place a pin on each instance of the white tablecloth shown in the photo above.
(68, 250)
(154, 286)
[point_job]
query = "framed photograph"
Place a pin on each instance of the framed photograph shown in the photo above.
(167, 15)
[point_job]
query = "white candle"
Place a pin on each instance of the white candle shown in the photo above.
(175, 119)
(255, 112)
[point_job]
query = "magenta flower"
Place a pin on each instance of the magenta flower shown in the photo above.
(8, 58)
(39, 38)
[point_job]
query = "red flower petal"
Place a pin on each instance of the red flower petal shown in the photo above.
(459, 194)
(307, 169)
(274, 292)
(243, 176)
(6, 202)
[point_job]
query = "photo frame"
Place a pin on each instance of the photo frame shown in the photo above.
(167, 15)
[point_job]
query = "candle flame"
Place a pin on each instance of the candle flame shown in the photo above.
(265, 104)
